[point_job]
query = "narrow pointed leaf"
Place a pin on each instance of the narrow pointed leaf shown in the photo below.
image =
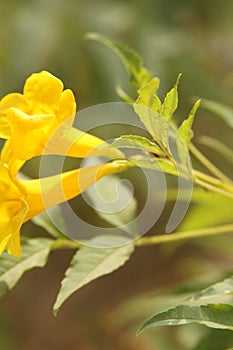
(132, 61)
(159, 164)
(147, 95)
(218, 289)
(154, 122)
(90, 263)
(212, 315)
(138, 142)
(185, 130)
(171, 101)
(35, 254)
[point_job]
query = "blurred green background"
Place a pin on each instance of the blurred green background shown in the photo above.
(193, 37)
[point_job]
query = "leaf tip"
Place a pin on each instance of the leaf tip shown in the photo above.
(55, 311)
(92, 36)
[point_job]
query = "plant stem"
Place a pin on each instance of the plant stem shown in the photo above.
(212, 184)
(208, 165)
(213, 188)
(185, 235)
(63, 243)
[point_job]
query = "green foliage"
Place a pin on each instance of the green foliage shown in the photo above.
(133, 62)
(185, 130)
(212, 315)
(218, 289)
(163, 165)
(35, 254)
(208, 312)
(165, 149)
(170, 103)
(90, 263)
(138, 142)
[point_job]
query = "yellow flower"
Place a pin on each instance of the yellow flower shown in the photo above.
(20, 200)
(30, 119)
(13, 208)
(29, 122)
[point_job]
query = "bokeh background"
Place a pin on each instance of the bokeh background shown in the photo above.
(193, 37)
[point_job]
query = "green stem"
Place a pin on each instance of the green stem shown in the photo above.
(185, 235)
(212, 184)
(63, 243)
(213, 188)
(208, 165)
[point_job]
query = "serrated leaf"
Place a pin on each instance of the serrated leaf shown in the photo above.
(159, 164)
(155, 123)
(133, 63)
(171, 101)
(185, 130)
(218, 289)
(45, 220)
(147, 95)
(90, 263)
(220, 109)
(34, 254)
(139, 142)
(212, 315)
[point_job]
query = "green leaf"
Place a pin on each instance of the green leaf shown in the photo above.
(155, 123)
(217, 146)
(147, 95)
(118, 206)
(35, 254)
(159, 164)
(185, 131)
(139, 142)
(45, 220)
(90, 263)
(212, 315)
(171, 101)
(218, 289)
(123, 95)
(221, 110)
(133, 63)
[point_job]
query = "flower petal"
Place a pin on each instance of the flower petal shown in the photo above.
(76, 143)
(28, 133)
(13, 209)
(50, 191)
(67, 105)
(43, 90)
(13, 245)
(11, 100)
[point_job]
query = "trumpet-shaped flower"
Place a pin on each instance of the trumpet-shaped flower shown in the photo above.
(33, 123)
(13, 208)
(39, 121)
(28, 119)
(20, 200)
